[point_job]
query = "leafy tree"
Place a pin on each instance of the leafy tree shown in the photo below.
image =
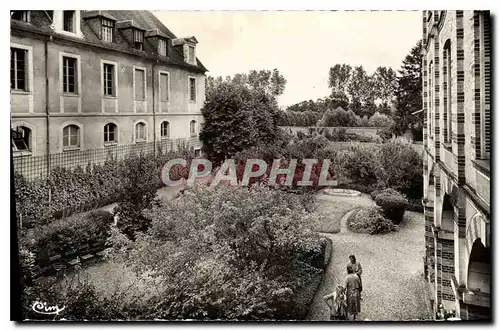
(240, 112)
(338, 99)
(339, 77)
(361, 92)
(409, 91)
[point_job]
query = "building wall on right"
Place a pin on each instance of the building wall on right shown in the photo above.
(456, 59)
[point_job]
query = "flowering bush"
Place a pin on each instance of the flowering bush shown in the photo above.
(393, 164)
(226, 253)
(370, 220)
(339, 117)
(399, 166)
(358, 163)
(140, 182)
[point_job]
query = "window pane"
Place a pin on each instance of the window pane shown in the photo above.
(18, 68)
(191, 54)
(192, 88)
(74, 140)
(68, 20)
(21, 15)
(164, 87)
(139, 84)
(108, 79)
(107, 30)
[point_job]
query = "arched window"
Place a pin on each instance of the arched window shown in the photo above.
(110, 133)
(21, 139)
(192, 128)
(165, 129)
(140, 132)
(71, 136)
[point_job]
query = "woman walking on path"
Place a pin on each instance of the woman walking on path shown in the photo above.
(336, 301)
(356, 267)
(353, 284)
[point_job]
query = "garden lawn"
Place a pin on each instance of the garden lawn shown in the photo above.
(334, 208)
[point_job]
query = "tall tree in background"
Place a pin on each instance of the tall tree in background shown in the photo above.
(338, 80)
(361, 92)
(384, 81)
(240, 112)
(338, 77)
(409, 91)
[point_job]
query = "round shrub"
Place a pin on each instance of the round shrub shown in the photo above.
(393, 205)
(376, 192)
(370, 220)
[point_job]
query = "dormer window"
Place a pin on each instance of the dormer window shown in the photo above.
(138, 39)
(162, 47)
(20, 15)
(69, 21)
(107, 30)
(187, 47)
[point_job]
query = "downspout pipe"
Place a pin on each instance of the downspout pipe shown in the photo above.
(47, 103)
(154, 105)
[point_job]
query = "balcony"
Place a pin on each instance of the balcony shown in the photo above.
(447, 158)
(482, 183)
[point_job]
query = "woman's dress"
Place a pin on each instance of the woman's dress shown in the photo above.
(353, 285)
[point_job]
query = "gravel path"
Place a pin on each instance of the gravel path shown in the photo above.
(393, 285)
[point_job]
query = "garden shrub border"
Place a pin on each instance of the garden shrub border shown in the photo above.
(305, 296)
(96, 186)
(78, 240)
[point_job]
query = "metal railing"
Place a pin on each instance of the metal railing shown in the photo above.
(32, 167)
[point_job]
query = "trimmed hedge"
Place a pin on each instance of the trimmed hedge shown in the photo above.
(63, 240)
(393, 205)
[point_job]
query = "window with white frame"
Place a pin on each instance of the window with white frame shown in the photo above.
(162, 47)
(21, 139)
(138, 39)
(139, 85)
(164, 87)
(192, 89)
(140, 132)
(20, 15)
(164, 130)
(107, 30)
(109, 79)
(192, 128)
(69, 21)
(110, 134)
(71, 136)
(69, 75)
(18, 69)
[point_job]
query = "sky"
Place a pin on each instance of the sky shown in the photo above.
(302, 45)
